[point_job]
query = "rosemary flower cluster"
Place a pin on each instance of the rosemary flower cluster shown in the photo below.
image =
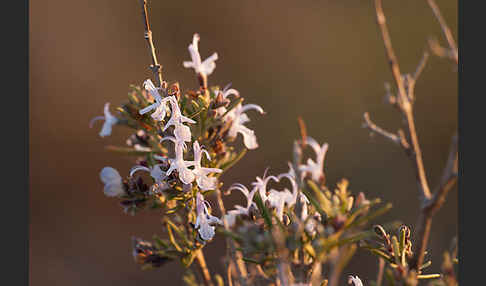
(292, 228)
(183, 142)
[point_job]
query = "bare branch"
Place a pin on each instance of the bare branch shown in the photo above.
(431, 206)
(411, 80)
(404, 104)
(421, 66)
(156, 68)
(448, 179)
(439, 50)
(445, 29)
(376, 129)
(204, 268)
(390, 53)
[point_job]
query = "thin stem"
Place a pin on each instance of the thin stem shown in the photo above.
(404, 103)
(381, 268)
(376, 129)
(235, 255)
(204, 268)
(430, 203)
(445, 29)
(155, 67)
(424, 223)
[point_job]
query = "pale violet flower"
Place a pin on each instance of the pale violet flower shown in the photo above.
(291, 199)
(181, 131)
(261, 185)
(278, 200)
(355, 281)
(178, 164)
(113, 182)
(290, 175)
(238, 117)
(225, 93)
(315, 168)
(110, 120)
(160, 104)
(155, 172)
(204, 221)
(207, 66)
(239, 210)
(231, 215)
(203, 181)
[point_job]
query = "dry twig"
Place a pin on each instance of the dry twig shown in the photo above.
(405, 85)
(155, 67)
(446, 30)
(204, 268)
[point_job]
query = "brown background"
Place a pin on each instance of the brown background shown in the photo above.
(323, 60)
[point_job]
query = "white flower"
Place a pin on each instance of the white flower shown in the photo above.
(225, 93)
(203, 181)
(205, 68)
(290, 175)
(178, 164)
(110, 120)
(261, 185)
(160, 104)
(249, 195)
(278, 200)
(181, 131)
(239, 210)
(315, 168)
(113, 182)
(238, 117)
(231, 215)
(354, 280)
(155, 172)
(204, 221)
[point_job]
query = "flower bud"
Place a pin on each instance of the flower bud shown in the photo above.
(113, 182)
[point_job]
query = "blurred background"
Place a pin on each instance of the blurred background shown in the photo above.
(322, 60)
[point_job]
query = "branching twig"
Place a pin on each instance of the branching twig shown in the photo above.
(420, 66)
(430, 203)
(395, 138)
(448, 179)
(155, 67)
(404, 104)
(445, 29)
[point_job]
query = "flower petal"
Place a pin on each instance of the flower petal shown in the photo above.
(110, 175)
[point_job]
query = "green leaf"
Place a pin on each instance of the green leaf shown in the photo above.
(372, 215)
(263, 210)
(315, 203)
(250, 260)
